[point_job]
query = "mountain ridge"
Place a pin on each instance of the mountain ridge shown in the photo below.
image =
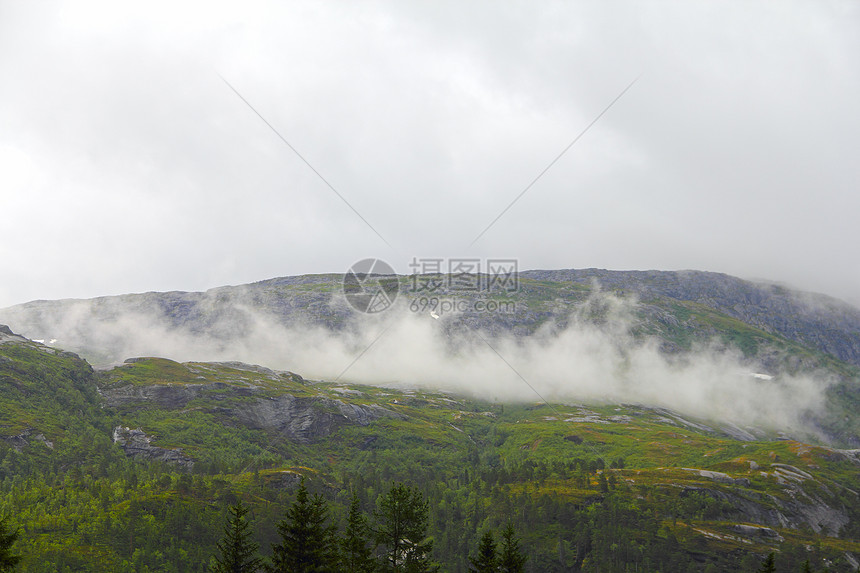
(819, 321)
(765, 325)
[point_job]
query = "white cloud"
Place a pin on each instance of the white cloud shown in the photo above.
(582, 361)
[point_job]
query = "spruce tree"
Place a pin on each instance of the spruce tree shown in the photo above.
(355, 553)
(8, 560)
(401, 528)
(769, 565)
(806, 567)
(308, 543)
(486, 561)
(237, 553)
(604, 485)
(511, 559)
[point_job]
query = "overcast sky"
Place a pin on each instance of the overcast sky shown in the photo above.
(128, 165)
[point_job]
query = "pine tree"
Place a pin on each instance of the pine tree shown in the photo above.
(308, 544)
(486, 561)
(604, 485)
(769, 565)
(401, 527)
(237, 552)
(356, 556)
(511, 559)
(8, 560)
(806, 567)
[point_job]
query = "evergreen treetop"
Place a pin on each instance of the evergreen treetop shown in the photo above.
(511, 559)
(769, 565)
(308, 542)
(356, 555)
(237, 552)
(8, 560)
(486, 561)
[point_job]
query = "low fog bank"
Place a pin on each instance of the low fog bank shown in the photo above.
(586, 360)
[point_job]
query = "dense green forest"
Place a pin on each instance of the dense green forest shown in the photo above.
(606, 488)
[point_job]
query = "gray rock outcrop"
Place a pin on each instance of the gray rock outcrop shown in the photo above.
(306, 420)
(797, 508)
(136, 444)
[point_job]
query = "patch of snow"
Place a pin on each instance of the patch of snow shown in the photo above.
(760, 376)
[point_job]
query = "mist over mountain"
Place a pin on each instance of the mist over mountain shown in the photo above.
(819, 321)
(705, 344)
(607, 421)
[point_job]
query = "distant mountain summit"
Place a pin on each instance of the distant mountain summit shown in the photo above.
(816, 321)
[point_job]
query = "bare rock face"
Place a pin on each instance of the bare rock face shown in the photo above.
(286, 480)
(6, 335)
(20, 441)
(306, 420)
(271, 374)
(137, 445)
(757, 531)
(797, 509)
(720, 477)
(170, 396)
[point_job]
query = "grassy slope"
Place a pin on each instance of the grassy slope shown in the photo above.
(442, 433)
(83, 502)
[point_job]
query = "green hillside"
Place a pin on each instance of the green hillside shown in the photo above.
(134, 469)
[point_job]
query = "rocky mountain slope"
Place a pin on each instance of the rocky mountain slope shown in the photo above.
(774, 330)
(817, 321)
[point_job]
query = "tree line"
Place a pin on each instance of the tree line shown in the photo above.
(393, 540)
